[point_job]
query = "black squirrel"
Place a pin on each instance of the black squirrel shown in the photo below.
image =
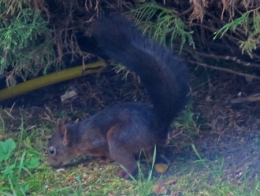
(120, 132)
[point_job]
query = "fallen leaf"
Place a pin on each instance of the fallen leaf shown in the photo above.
(159, 189)
(170, 182)
(161, 167)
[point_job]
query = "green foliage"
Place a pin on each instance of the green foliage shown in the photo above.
(232, 25)
(6, 149)
(163, 24)
(188, 121)
(15, 169)
(25, 41)
(249, 24)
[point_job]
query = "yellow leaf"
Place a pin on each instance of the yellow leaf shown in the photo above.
(161, 167)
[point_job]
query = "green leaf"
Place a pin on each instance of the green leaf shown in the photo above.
(9, 169)
(6, 149)
(25, 188)
(32, 162)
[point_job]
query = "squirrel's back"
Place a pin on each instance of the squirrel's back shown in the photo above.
(163, 73)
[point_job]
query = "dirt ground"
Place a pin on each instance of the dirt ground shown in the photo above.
(223, 131)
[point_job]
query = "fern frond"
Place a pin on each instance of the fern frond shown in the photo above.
(243, 20)
(163, 24)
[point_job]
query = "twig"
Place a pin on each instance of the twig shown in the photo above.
(225, 70)
(232, 58)
(252, 98)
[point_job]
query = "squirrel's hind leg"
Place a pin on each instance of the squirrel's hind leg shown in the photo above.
(121, 153)
(127, 161)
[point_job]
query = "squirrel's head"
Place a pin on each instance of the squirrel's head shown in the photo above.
(60, 152)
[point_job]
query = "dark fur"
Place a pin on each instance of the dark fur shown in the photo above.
(121, 131)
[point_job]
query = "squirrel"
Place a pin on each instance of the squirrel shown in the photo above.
(120, 132)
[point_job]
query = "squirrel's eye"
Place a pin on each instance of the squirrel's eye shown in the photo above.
(51, 150)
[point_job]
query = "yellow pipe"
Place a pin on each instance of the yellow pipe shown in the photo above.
(49, 79)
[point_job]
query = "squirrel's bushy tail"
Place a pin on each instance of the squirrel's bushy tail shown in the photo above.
(163, 73)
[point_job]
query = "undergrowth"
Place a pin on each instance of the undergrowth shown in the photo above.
(163, 24)
(249, 22)
(25, 41)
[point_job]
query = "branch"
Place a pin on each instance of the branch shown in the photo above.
(225, 70)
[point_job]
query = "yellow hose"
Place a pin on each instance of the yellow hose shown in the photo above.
(49, 79)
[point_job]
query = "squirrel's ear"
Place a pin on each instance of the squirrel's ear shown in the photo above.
(62, 129)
